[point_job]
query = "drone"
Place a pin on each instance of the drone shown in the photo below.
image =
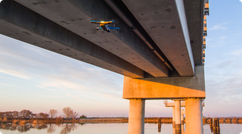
(104, 25)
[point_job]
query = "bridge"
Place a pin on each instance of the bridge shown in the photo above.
(160, 47)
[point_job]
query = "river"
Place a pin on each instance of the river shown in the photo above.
(118, 128)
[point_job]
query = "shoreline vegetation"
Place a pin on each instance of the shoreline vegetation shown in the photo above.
(70, 116)
(61, 120)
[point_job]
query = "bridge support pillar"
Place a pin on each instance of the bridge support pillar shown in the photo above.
(177, 117)
(173, 115)
(194, 124)
(136, 116)
(182, 128)
(182, 116)
(177, 88)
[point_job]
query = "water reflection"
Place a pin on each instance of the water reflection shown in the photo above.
(66, 128)
(51, 128)
(178, 130)
(111, 128)
(21, 127)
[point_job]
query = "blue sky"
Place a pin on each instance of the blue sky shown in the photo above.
(39, 80)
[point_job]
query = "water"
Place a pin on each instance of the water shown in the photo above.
(104, 129)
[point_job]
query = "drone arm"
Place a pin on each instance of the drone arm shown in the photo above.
(114, 28)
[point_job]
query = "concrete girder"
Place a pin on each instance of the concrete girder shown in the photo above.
(23, 24)
(75, 15)
(195, 16)
(165, 22)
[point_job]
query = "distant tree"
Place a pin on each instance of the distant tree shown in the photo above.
(59, 120)
(74, 115)
(25, 113)
(15, 114)
(9, 114)
(1, 114)
(83, 116)
(68, 112)
(38, 115)
(33, 115)
(53, 113)
(43, 115)
(46, 115)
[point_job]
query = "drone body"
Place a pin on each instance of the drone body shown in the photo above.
(104, 25)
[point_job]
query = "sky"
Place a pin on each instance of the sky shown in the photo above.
(39, 80)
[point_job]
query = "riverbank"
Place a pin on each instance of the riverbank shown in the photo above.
(167, 120)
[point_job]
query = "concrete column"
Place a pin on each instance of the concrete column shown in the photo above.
(178, 116)
(173, 115)
(182, 128)
(182, 121)
(182, 116)
(193, 112)
(136, 116)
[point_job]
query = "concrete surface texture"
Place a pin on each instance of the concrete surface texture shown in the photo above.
(75, 15)
(136, 116)
(177, 111)
(166, 88)
(173, 115)
(178, 116)
(23, 24)
(194, 124)
(64, 27)
(165, 21)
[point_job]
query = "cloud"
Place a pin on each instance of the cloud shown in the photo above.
(51, 96)
(41, 86)
(237, 52)
(6, 85)
(111, 95)
(54, 71)
(77, 98)
(219, 26)
(222, 41)
(240, 1)
(14, 73)
(223, 37)
(224, 82)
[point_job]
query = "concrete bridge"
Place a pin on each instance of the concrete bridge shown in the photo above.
(160, 47)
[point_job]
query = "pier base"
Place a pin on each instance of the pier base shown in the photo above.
(177, 117)
(136, 116)
(194, 124)
(173, 115)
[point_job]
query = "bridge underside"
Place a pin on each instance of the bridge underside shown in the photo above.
(159, 47)
(162, 48)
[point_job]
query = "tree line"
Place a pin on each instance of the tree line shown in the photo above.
(69, 113)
